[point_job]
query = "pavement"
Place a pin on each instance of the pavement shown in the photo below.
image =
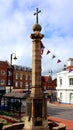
(68, 123)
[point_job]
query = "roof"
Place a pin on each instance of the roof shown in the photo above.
(46, 78)
(70, 67)
(23, 68)
(70, 59)
(15, 95)
(4, 64)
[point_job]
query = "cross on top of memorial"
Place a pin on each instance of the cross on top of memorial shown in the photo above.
(37, 27)
(37, 12)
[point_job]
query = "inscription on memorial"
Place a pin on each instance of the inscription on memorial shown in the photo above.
(38, 108)
(38, 112)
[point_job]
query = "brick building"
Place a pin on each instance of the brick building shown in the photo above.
(49, 86)
(19, 78)
(4, 66)
(14, 77)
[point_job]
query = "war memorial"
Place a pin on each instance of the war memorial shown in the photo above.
(36, 105)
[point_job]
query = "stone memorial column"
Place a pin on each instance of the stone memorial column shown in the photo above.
(36, 103)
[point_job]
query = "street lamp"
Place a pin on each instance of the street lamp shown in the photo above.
(15, 58)
(12, 56)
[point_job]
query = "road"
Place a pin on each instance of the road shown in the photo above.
(60, 111)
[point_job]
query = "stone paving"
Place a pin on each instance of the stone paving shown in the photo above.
(68, 123)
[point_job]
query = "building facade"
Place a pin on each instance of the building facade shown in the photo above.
(4, 66)
(14, 77)
(19, 78)
(49, 86)
(65, 84)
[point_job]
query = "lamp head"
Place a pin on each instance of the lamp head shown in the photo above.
(15, 58)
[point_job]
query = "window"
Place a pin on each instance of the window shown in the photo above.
(2, 81)
(26, 77)
(21, 84)
(71, 98)
(61, 97)
(9, 73)
(2, 88)
(16, 84)
(21, 76)
(60, 82)
(16, 75)
(70, 81)
(44, 87)
(26, 85)
(3, 72)
(30, 84)
(30, 77)
(9, 82)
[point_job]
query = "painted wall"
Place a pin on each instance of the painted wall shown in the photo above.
(64, 90)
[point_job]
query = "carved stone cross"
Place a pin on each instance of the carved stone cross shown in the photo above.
(37, 11)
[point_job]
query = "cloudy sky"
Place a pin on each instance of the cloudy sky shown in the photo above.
(56, 19)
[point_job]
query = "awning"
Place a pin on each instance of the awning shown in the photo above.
(18, 90)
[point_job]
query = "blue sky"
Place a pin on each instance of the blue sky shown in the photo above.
(56, 19)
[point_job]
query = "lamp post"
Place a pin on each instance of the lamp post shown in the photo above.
(12, 56)
(15, 58)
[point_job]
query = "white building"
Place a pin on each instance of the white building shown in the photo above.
(65, 84)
